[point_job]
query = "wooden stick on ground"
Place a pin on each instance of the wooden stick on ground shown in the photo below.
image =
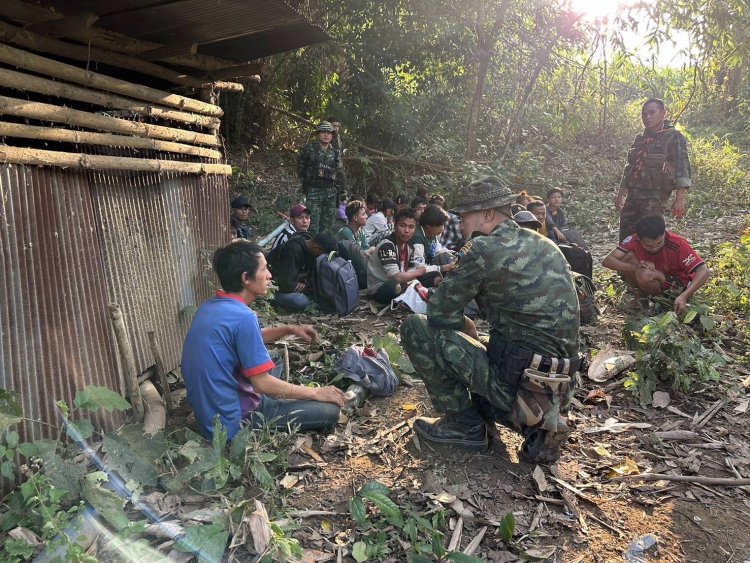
(726, 481)
(128, 360)
(23, 131)
(40, 157)
(161, 372)
(50, 67)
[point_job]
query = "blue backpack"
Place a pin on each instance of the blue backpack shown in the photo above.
(335, 284)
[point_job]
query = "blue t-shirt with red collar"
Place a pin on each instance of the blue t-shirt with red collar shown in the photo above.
(676, 258)
(223, 349)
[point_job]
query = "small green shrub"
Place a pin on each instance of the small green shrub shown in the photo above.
(719, 176)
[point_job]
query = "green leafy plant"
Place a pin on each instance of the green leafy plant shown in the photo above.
(375, 512)
(668, 350)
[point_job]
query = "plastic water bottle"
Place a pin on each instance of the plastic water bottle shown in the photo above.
(354, 396)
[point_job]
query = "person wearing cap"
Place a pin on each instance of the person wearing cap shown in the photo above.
(299, 222)
(527, 220)
(320, 169)
(524, 377)
(240, 214)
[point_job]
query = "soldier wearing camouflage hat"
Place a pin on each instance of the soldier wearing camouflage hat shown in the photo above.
(524, 376)
(320, 170)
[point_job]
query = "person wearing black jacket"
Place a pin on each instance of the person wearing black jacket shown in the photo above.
(291, 264)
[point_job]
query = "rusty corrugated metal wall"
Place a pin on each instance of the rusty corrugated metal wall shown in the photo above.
(73, 241)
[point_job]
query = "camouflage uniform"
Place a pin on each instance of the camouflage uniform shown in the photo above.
(321, 173)
(524, 288)
(657, 164)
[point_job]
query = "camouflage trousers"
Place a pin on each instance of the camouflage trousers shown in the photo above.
(635, 209)
(459, 376)
(321, 202)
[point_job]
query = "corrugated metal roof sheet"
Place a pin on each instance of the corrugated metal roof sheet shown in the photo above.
(238, 30)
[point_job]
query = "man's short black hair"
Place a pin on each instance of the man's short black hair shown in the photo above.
(387, 204)
(656, 101)
(556, 190)
(650, 227)
(405, 213)
(325, 241)
(433, 216)
(400, 199)
(353, 208)
(372, 199)
(422, 192)
(437, 199)
(419, 200)
(233, 260)
(534, 204)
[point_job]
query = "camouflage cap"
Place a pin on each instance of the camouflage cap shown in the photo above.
(324, 127)
(487, 193)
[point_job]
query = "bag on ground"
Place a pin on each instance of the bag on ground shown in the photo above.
(372, 370)
(414, 298)
(580, 259)
(335, 284)
(586, 299)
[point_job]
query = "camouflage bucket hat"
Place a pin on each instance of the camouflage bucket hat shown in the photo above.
(324, 127)
(487, 193)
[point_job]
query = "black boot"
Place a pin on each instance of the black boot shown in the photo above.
(464, 430)
(543, 446)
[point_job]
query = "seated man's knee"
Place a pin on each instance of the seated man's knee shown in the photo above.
(412, 330)
(649, 281)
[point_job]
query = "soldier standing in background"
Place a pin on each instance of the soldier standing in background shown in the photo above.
(524, 378)
(657, 165)
(319, 167)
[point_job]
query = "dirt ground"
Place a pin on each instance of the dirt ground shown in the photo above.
(575, 512)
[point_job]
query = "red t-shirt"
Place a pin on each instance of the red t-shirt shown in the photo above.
(675, 258)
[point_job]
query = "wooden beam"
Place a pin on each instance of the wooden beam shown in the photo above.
(57, 114)
(161, 53)
(39, 157)
(36, 42)
(249, 69)
(20, 11)
(31, 83)
(23, 131)
(63, 26)
(43, 65)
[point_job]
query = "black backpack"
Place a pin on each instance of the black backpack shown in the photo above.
(580, 260)
(335, 284)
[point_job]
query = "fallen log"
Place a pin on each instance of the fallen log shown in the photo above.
(697, 479)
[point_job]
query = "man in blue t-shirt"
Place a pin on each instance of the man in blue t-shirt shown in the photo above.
(225, 363)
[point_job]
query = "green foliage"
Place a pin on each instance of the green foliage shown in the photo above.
(719, 177)
(729, 287)
(387, 522)
(207, 542)
(508, 527)
(671, 351)
(11, 411)
(92, 398)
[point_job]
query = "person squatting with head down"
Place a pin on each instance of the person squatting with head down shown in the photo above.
(524, 376)
(225, 363)
(655, 261)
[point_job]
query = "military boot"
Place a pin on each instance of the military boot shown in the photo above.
(463, 430)
(543, 446)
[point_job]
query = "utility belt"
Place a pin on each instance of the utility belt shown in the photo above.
(511, 361)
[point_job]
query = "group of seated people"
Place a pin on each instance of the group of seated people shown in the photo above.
(548, 219)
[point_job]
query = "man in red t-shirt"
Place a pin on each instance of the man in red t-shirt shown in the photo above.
(653, 260)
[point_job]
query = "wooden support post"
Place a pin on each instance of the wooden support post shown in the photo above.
(27, 39)
(23, 131)
(160, 371)
(128, 360)
(31, 83)
(43, 65)
(48, 112)
(40, 157)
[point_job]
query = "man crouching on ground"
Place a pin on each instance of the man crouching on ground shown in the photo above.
(524, 377)
(225, 363)
(655, 261)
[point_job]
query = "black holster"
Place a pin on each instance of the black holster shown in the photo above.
(509, 359)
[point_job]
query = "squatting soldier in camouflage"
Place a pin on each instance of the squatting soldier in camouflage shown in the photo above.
(320, 171)
(657, 165)
(524, 376)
